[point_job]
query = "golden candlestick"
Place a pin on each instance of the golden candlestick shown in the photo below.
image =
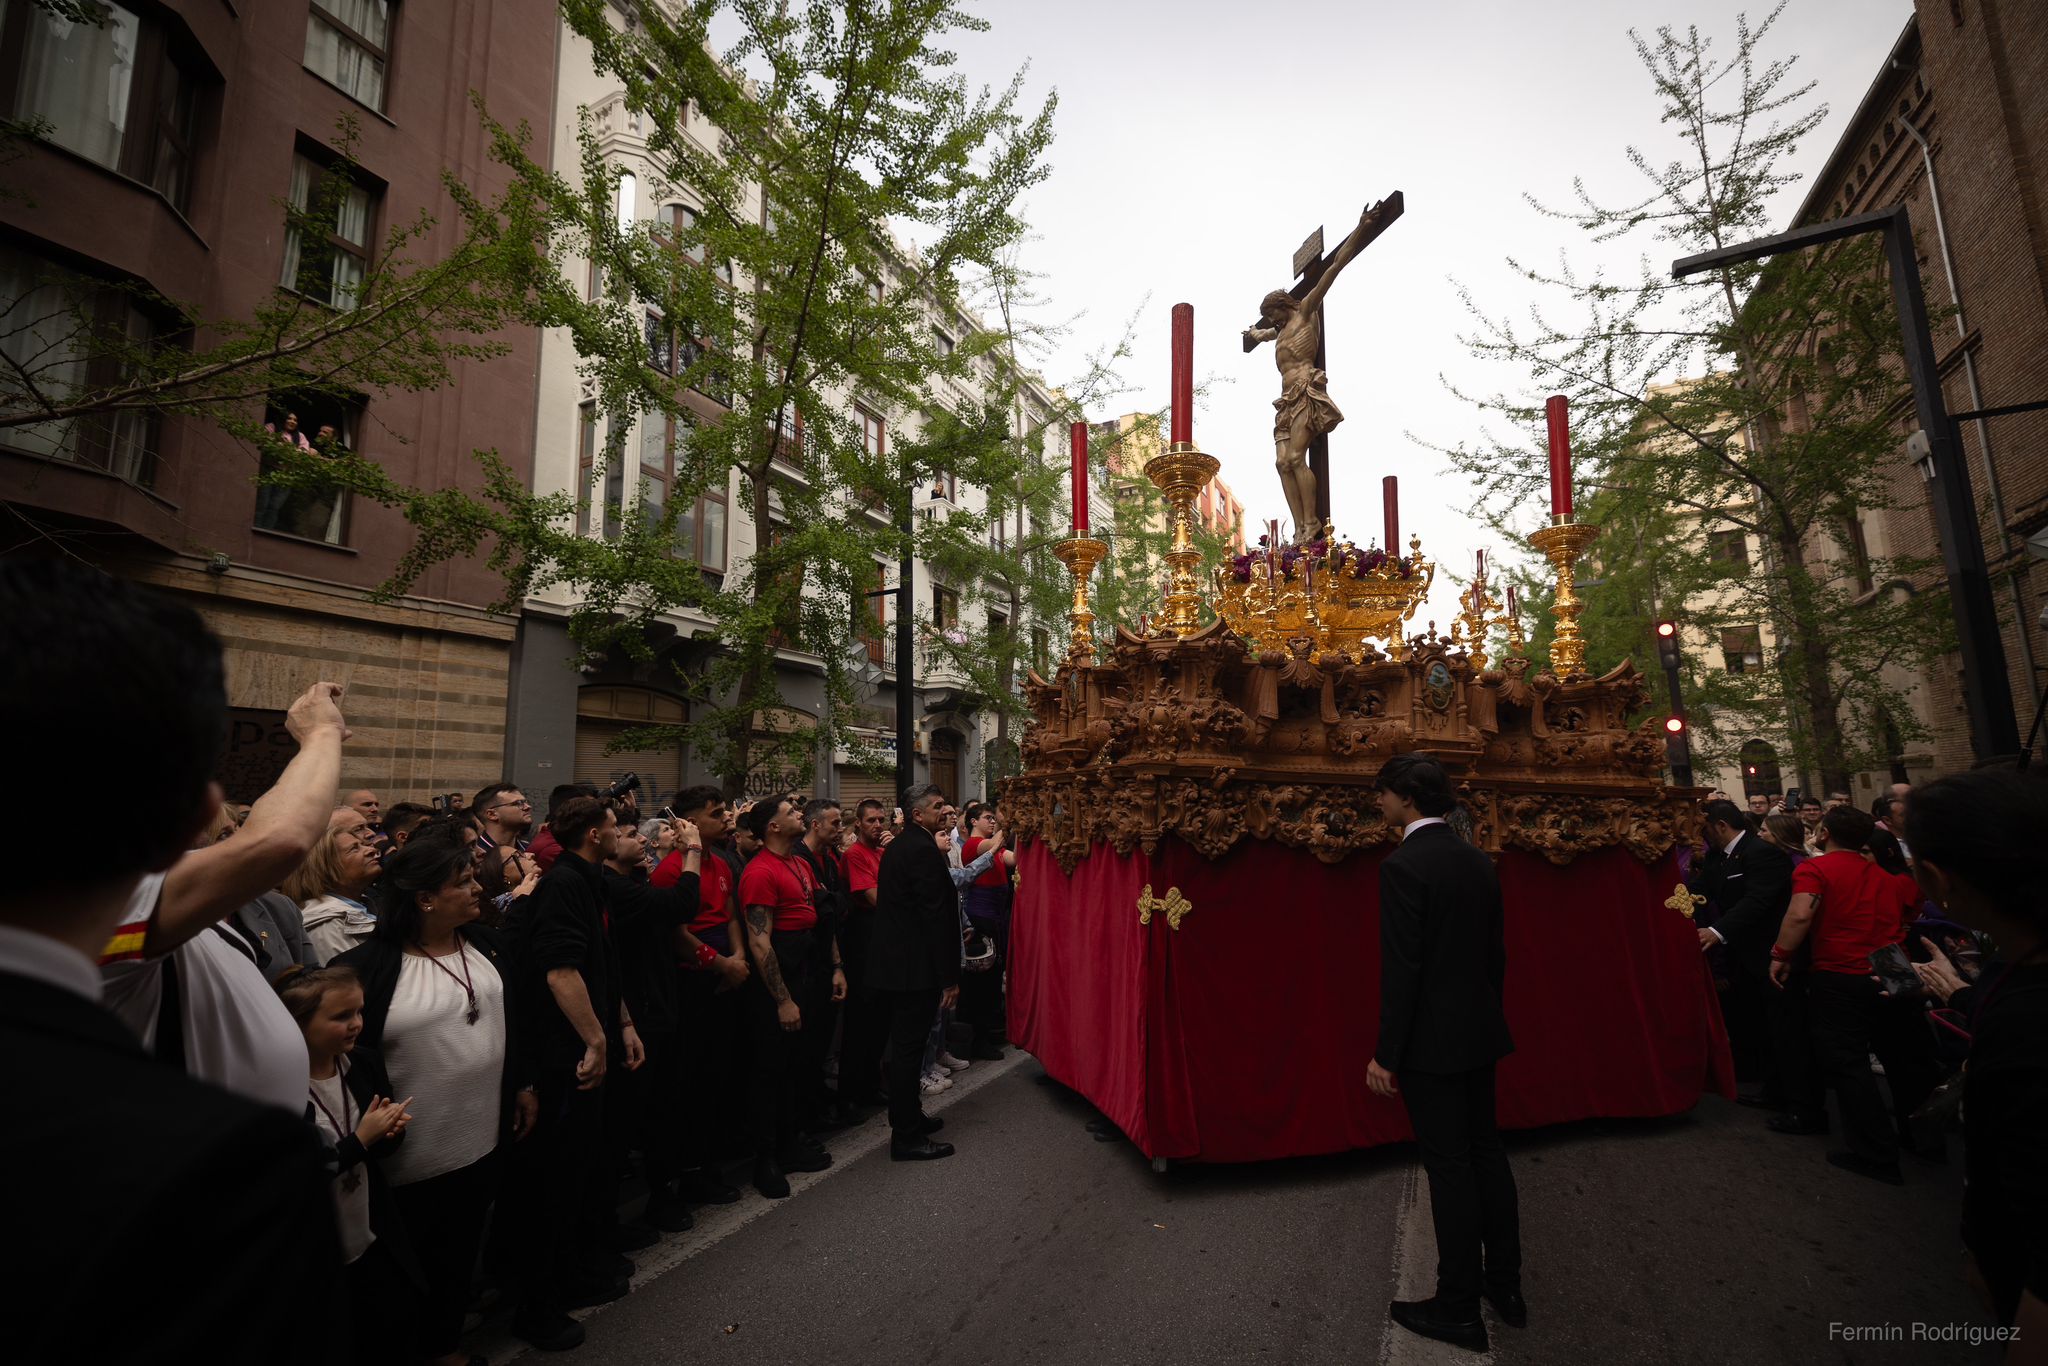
(1081, 555)
(1181, 474)
(1563, 543)
(1476, 615)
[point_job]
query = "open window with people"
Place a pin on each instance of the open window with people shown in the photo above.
(296, 430)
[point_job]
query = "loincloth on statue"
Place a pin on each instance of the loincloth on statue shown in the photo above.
(1309, 397)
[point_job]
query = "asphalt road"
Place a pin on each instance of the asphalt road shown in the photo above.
(1696, 1239)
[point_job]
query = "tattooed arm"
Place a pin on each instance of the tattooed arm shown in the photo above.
(760, 923)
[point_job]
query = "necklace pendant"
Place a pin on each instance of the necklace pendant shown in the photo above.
(350, 1182)
(473, 1014)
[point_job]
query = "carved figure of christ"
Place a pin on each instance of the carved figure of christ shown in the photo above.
(1304, 414)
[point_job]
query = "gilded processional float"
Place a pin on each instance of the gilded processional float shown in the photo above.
(1195, 943)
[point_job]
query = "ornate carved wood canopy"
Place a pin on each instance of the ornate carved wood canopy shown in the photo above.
(1201, 738)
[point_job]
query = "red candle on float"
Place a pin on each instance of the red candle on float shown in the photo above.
(1479, 575)
(1514, 612)
(1555, 412)
(1390, 497)
(1183, 432)
(1077, 435)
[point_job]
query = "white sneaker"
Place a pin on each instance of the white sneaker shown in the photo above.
(933, 1084)
(951, 1063)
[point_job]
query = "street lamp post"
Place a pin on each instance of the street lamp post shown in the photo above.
(1987, 693)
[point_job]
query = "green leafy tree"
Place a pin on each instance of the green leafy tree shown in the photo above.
(1752, 400)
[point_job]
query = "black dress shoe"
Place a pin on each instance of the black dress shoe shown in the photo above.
(1509, 1304)
(985, 1052)
(1425, 1318)
(769, 1180)
(636, 1235)
(547, 1329)
(1760, 1102)
(1797, 1124)
(583, 1294)
(608, 1266)
(804, 1159)
(923, 1150)
(668, 1212)
(930, 1124)
(703, 1187)
(1887, 1172)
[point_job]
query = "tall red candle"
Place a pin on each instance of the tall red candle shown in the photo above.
(1077, 435)
(1479, 572)
(1554, 410)
(1183, 432)
(1390, 496)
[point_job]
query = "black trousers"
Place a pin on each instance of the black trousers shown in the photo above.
(1471, 1191)
(777, 1065)
(645, 1110)
(821, 1024)
(383, 1306)
(911, 1014)
(981, 992)
(712, 1069)
(1851, 1020)
(1791, 1068)
(864, 1020)
(444, 1220)
(547, 1235)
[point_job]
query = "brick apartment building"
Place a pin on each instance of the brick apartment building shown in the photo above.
(1970, 78)
(175, 131)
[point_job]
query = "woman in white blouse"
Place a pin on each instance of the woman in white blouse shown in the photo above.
(435, 1007)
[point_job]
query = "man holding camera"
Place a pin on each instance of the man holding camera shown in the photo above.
(914, 962)
(1845, 909)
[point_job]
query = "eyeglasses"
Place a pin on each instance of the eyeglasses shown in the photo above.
(523, 801)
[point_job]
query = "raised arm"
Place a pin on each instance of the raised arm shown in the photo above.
(1369, 224)
(283, 826)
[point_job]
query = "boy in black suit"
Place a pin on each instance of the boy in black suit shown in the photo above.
(1442, 1029)
(150, 1206)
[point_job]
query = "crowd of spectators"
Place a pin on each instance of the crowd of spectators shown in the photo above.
(1897, 957)
(456, 1057)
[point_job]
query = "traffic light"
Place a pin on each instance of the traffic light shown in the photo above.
(1677, 752)
(1667, 645)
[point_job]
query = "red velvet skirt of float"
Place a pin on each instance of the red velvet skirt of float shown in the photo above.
(1244, 1034)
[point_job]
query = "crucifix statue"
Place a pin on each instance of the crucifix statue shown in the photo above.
(1292, 319)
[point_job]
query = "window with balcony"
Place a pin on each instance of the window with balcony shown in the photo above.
(322, 425)
(347, 45)
(1729, 549)
(114, 93)
(327, 240)
(679, 229)
(52, 316)
(700, 524)
(587, 447)
(1742, 649)
(871, 615)
(946, 485)
(945, 608)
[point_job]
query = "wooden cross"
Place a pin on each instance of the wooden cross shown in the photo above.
(1309, 265)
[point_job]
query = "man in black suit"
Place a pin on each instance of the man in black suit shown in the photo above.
(1749, 880)
(1442, 1029)
(914, 963)
(150, 1212)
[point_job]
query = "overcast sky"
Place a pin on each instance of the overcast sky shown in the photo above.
(1199, 141)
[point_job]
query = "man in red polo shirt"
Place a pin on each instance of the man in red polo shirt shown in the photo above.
(710, 1004)
(777, 899)
(866, 1028)
(1849, 908)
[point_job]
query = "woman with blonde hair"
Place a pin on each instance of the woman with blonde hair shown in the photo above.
(329, 889)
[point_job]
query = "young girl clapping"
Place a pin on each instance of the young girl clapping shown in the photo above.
(347, 1100)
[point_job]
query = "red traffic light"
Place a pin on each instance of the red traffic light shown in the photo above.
(1674, 724)
(1667, 629)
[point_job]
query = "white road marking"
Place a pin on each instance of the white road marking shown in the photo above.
(716, 1223)
(1415, 1279)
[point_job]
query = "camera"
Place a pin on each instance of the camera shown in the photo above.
(628, 783)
